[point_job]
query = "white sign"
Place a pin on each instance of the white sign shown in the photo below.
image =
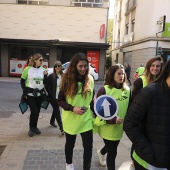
(16, 66)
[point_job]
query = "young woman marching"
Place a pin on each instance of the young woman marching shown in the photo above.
(75, 97)
(112, 130)
(52, 87)
(32, 83)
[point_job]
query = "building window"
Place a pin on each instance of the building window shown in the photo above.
(88, 3)
(33, 2)
(133, 26)
(118, 35)
(127, 29)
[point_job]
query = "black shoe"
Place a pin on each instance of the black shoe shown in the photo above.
(53, 124)
(31, 132)
(62, 133)
(37, 131)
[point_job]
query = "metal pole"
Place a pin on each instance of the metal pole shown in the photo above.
(156, 47)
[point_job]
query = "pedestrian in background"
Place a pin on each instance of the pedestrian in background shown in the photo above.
(76, 97)
(152, 71)
(32, 83)
(151, 110)
(28, 62)
(112, 130)
(140, 70)
(128, 71)
(52, 87)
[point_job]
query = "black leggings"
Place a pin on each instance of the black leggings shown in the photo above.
(56, 114)
(87, 139)
(111, 149)
(35, 107)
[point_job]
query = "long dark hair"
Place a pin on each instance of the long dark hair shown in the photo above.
(69, 83)
(109, 79)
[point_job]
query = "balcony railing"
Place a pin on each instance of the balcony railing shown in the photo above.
(88, 3)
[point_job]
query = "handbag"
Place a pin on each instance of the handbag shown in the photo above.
(23, 107)
(45, 104)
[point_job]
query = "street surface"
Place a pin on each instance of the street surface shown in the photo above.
(46, 151)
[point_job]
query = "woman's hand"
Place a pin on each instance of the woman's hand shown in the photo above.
(119, 120)
(45, 72)
(78, 111)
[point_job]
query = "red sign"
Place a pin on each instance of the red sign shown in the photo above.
(93, 57)
(102, 31)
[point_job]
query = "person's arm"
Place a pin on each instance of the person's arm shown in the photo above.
(48, 84)
(136, 115)
(23, 86)
(62, 102)
(137, 86)
(92, 103)
(23, 81)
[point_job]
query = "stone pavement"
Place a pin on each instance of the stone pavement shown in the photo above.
(46, 151)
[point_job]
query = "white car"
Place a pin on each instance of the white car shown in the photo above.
(92, 70)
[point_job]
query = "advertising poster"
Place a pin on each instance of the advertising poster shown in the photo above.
(16, 66)
(93, 57)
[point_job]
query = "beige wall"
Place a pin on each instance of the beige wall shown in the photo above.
(59, 2)
(8, 1)
(52, 22)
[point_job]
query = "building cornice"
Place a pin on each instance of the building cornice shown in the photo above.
(145, 40)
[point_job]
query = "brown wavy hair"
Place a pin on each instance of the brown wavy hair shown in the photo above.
(34, 58)
(69, 82)
(149, 77)
(109, 79)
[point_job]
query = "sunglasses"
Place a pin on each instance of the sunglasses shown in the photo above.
(57, 66)
(41, 60)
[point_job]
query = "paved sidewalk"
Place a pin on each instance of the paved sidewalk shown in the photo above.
(46, 151)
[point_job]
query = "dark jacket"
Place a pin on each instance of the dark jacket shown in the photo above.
(127, 71)
(51, 86)
(151, 109)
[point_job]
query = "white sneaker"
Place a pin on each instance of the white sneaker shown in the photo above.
(102, 158)
(132, 167)
(69, 167)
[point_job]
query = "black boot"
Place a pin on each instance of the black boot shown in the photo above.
(31, 132)
(37, 131)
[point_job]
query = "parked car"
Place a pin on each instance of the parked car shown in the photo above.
(92, 70)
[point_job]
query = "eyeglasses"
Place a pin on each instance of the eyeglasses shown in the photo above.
(41, 60)
(57, 66)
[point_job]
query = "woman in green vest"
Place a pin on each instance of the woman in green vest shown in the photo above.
(75, 97)
(112, 130)
(152, 71)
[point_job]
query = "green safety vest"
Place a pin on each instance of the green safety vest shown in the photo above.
(72, 123)
(140, 70)
(114, 132)
(144, 81)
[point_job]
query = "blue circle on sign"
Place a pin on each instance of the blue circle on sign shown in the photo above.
(106, 107)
